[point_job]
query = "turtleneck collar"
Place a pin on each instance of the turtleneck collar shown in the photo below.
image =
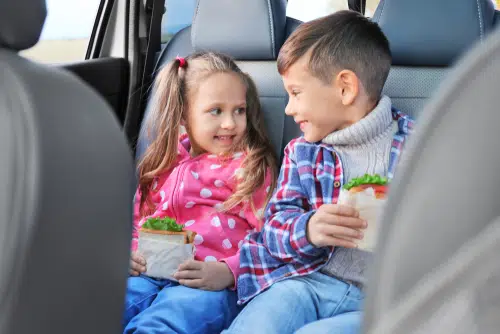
(367, 129)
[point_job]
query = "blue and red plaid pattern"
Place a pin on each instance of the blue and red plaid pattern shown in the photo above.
(311, 175)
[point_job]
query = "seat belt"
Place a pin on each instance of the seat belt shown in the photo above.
(157, 9)
(357, 5)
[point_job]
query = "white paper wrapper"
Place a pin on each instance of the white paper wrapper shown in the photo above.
(370, 208)
(163, 254)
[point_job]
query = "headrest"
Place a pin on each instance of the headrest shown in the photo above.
(243, 29)
(430, 32)
(21, 23)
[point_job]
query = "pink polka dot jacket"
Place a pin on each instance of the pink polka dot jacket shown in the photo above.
(193, 192)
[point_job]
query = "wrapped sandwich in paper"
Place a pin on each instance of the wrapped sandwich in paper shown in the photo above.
(367, 195)
(164, 245)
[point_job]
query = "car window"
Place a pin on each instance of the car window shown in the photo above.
(178, 15)
(66, 31)
(306, 10)
(371, 6)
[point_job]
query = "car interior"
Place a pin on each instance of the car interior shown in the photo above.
(62, 149)
(70, 135)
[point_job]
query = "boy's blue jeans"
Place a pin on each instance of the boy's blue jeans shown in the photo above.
(163, 306)
(315, 303)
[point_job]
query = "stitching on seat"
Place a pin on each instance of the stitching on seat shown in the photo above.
(272, 28)
(479, 14)
(382, 11)
(193, 24)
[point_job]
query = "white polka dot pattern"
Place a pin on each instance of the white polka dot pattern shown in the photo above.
(226, 244)
(205, 193)
(194, 195)
(215, 221)
(198, 239)
(189, 223)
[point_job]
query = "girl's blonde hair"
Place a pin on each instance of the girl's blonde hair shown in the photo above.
(171, 88)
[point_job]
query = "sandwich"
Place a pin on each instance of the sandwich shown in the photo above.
(164, 244)
(168, 230)
(374, 185)
(367, 194)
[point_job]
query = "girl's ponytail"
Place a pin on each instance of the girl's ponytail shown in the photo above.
(163, 124)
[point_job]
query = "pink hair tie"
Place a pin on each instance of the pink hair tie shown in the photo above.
(182, 61)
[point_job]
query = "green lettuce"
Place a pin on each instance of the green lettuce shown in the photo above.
(162, 224)
(366, 179)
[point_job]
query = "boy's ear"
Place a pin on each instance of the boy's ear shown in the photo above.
(348, 84)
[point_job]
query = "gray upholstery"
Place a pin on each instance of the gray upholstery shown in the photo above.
(180, 44)
(264, 72)
(437, 268)
(425, 37)
(66, 201)
(22, 30)
(496, 19)
(253, 30)
(410, 87)
(273, 98)
(291, 25)
(444, 29)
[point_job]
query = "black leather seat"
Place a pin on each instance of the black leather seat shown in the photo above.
(66, 180)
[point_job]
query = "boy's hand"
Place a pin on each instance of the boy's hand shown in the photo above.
(137, 264)
(212, 276)
(335, 225)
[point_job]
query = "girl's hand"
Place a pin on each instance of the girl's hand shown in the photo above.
(137, 264)
(211, 276)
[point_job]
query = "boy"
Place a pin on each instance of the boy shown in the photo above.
(304, 265)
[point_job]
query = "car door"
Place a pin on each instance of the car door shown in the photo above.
(74, 37)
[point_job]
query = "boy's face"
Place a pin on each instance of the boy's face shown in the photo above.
(317, 107)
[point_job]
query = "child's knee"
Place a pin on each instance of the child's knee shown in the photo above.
(224, 301)
(281, 299)
(289, 290)
(192, 310)
(139, 290)
(346, 323)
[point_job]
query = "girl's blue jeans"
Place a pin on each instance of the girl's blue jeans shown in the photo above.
(163, 306)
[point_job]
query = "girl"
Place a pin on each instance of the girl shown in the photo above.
(215, 179)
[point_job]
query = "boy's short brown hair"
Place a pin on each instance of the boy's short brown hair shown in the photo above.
(343, 40)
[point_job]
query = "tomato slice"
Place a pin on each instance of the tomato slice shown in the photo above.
(380, 190)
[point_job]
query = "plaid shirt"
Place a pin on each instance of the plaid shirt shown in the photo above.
(310, 176)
